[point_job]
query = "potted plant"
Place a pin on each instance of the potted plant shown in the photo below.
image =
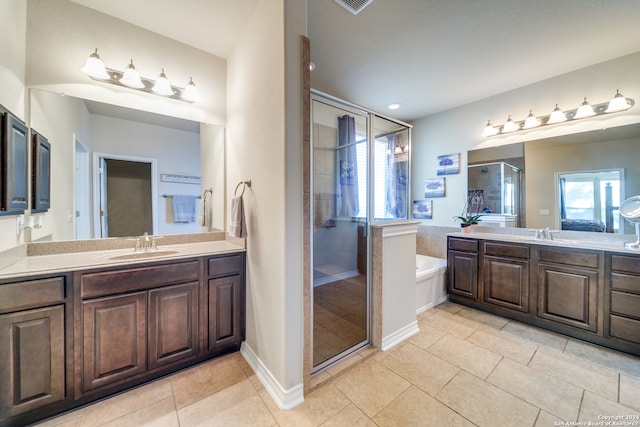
(467, 221)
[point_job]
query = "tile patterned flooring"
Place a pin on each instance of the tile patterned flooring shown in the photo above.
(464, 368)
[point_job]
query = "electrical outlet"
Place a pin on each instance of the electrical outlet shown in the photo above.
(544, 211)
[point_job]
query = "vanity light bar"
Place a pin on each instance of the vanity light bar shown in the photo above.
(585, 110)
(95, 69)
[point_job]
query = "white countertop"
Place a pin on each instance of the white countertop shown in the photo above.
(60, 263)
(560, 242)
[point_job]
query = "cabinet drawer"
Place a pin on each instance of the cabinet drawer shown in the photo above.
(629, 264)
(33, 293)
(131, 279)
(625, 282)
(570, 257)
(626, 329)
(506, 250)
(625, 304)
(224, 266)
(464, 245)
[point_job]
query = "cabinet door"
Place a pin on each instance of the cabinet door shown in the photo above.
(463, 274)
(506, 283)
(114, 339)
(173, 324)
(32, 369)
(568, 295)
(14, 165)
(40, 173)
(225, 312)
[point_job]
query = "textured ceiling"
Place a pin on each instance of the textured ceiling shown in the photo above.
(429, 55)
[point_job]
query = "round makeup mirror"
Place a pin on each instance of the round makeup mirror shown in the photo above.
(630, 210)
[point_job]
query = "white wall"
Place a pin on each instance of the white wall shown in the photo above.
(264, 142)
(459, 130)
(213, 171)
(13, 16)
(61, 35)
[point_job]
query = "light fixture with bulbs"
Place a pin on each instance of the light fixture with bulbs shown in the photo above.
(585, 110)
(131, 78)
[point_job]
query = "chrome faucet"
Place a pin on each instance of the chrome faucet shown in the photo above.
(544, 234)
(146, 243)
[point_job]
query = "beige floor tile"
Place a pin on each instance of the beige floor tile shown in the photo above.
(536, 335)
(126, 403)
(424, 370)
(612, 359)
(426, 336)
(449, 307)
(237, 405)
(468, 356)
(416, 408)
(159, 414)
(318, 407)
(482, 318)
(349, 416)
(71, 419)
(510, 346)
(630, 392)
(594, 407)
(577, 371)
(205, 380)
(545, 419)
(485, 404)
(371, 386)
(544, 391)
(447, 323)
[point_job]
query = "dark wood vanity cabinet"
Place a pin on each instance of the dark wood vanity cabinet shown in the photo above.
(225, 308)
(622, 313)
(136, 320)
(569, 286)
(34, 366)
(589, 294)
(506, 275)
(462, 260)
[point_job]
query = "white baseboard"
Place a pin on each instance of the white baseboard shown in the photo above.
(335, 277)
(400, 335)
(425, 308)
(285, 399)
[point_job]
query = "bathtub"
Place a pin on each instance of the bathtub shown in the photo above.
(431, 288)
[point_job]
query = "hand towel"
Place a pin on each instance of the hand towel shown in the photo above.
(238, 227)
(184, 208)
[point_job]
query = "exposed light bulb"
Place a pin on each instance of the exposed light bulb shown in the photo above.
(94, 67)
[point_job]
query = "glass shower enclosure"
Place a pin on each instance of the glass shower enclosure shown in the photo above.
(494, 192)
(360, 174)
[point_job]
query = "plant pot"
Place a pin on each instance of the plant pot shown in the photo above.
(466, 228)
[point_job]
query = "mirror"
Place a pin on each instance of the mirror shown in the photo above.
(87, 137)
(594, 157)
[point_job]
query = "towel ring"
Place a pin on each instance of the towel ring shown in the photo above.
(246, 184)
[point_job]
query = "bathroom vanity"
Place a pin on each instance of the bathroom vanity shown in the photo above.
(101, 322)
(586, 290)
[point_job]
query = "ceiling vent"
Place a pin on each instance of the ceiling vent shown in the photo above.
(354, 6)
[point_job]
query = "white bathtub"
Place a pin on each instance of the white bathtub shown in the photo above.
(431, 288)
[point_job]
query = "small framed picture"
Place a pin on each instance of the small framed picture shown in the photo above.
(449, 164)
(422, 209)
(434, 187)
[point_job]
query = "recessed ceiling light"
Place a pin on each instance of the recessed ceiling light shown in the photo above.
(394, 106)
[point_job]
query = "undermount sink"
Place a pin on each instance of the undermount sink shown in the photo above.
(138, 255)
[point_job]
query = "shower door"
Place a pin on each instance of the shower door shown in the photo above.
(340, 296)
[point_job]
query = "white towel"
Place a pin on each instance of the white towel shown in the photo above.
(238, 227)
(184, 208)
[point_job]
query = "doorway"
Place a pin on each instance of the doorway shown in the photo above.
(124, 196)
